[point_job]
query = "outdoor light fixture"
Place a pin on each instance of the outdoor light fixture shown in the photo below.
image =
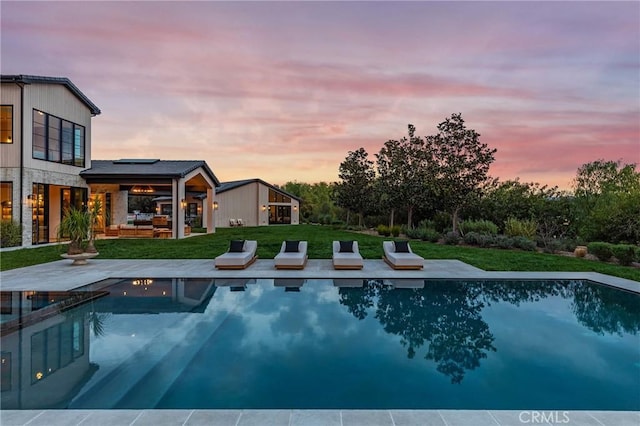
(142, 189)
(215, 205)
(142, 281)
(183, 203)
(264, 208)
(295, 208)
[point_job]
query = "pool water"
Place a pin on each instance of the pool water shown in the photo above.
(184, 343)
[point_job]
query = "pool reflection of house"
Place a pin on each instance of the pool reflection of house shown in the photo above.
(155, 295)
(45, 336)
(45, 352)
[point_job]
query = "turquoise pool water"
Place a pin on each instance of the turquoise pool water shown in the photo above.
(184, 343)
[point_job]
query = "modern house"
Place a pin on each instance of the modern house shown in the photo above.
(45, 141)
(255, 203)
(46, 167)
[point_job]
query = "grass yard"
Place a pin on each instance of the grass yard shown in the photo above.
(319, 237)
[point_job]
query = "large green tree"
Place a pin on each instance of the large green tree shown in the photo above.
(405, 175)
(462, 163)
(608, 201)
(355, 190)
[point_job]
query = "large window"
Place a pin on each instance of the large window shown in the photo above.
(57, 140)
(277, 197)
(6, 124)
(56, 347)
(6, 198)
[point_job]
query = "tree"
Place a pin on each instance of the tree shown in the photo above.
(404, 174)
(608, 201)
(355, 191)
(461, 160)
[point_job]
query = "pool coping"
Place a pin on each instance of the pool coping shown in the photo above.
(60, 275)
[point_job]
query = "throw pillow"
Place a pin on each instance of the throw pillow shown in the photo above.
(402, 246)
(346, 246)
(236, 246)
(291, 246)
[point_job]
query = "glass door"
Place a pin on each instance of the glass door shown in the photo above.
(40, 213)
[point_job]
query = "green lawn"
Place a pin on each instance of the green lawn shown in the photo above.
(319, 238)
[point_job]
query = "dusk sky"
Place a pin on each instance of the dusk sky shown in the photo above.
(283, 90)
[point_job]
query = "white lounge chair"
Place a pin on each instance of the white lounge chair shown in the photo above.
(398, 255)
(293, 255)
(240, 255)
(346, 255)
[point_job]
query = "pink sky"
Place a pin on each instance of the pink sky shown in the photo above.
(283, 90)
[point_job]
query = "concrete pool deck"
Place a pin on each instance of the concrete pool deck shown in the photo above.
(60, 275)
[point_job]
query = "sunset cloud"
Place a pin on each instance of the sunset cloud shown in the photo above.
(283, 90)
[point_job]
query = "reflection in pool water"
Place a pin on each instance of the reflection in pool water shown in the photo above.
(177, 343)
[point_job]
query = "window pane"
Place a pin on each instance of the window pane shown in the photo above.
(54, 139)
(66, 343)
(78, 339)
(78, 146)
(67, 142)
(6, 198)
(6, 124)
(39, 135)
(53, 349)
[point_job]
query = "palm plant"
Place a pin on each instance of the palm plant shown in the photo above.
(74, 225)
(94, 214)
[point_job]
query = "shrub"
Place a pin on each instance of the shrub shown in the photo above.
(442, 221)
(504, 242)
(625, 253)
(472, 238)
(430, 235)
(524, 244)
(383, 230)
(10, 234)
(427, 224)
(601, 250)
(479, 226)
(395, 230)
(451, 238)
(414, 233)
(520, 228)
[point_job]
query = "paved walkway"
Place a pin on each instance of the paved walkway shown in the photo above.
(61, 275)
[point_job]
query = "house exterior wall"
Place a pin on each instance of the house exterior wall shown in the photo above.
(57, 100)
(250, 203)
(238, 203)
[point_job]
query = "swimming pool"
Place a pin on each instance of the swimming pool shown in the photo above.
(264, 343)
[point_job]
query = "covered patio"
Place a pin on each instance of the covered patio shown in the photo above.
(187, 186)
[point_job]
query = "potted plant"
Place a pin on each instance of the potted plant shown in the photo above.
(74, 225)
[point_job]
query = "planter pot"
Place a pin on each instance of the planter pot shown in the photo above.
(580, 251)
(79, 259)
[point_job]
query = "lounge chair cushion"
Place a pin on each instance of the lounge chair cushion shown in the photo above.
(347, 260)
(236, 246)
(401, 260)
(401, 246)
(346, 246)
(291, 246)
(292, 259)
(238, 259)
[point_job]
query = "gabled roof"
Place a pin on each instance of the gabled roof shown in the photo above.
(31, 79)
(227, 186)
(145, 168)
